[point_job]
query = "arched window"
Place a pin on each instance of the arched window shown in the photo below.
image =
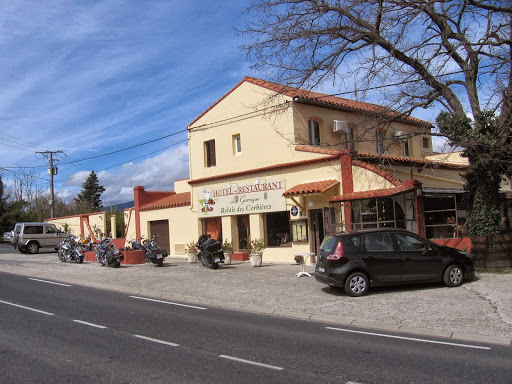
(314, 132)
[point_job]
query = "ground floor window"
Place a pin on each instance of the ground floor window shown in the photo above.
(278, 229)
(445, 215)
(395, 212)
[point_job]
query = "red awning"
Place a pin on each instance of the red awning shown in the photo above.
(406, 186)
(311, 187)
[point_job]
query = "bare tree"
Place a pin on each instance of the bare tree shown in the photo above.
(451, 55)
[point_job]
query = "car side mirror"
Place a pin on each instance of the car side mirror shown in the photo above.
(427, 249)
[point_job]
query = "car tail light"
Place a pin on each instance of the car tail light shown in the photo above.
(338, 252)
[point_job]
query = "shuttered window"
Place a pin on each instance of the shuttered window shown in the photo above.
(209, 149)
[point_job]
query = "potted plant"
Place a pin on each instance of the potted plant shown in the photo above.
(256, 248)
(228, 249)
(191, 251)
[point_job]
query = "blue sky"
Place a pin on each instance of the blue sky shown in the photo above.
(92, 77)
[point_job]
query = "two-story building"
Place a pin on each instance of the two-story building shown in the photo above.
(288, 166)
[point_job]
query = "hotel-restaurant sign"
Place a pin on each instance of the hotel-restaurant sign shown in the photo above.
(234, 199)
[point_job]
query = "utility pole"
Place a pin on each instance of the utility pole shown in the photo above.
(51, 171)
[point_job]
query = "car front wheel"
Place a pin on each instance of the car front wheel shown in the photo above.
(453, 276)
(357, 284)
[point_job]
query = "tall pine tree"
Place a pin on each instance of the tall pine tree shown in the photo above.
(89, 197)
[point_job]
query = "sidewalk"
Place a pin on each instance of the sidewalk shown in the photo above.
(477, 311)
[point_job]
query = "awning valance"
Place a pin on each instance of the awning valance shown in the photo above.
(406, 186)
(311, 187)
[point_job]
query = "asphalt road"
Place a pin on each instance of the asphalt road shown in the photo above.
(55, 333)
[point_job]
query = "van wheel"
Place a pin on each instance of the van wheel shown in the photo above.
(357, 284)
(33, 248)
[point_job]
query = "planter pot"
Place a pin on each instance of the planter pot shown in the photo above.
(255, 259)
(192, 257)
(227, 258)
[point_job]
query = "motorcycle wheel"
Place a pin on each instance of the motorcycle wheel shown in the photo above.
(215, 266)
(160, 262)
(116, 264)
(81, 260)
(61, 257)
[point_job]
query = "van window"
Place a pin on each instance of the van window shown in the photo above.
(33, 230)
(51, 229)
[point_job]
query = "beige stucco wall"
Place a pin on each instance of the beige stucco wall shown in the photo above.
(73, 223)
(429, 177)
(365, 180)
(364, 128)
(98, 220)
(183, 226)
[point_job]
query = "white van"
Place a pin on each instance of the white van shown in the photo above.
(30, 237)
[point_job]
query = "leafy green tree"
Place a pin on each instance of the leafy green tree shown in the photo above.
(453, 55)
(89, 198)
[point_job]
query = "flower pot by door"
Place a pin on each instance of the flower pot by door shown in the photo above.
(192, 257)
(227, 258)
(255, 259)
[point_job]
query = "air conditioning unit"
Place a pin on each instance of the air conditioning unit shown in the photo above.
(401, 135)
(340, 126)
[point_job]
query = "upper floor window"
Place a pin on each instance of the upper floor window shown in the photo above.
(314, 132)
(405, 147)
(426, 142)
(237, 145)
(209, 152)
(380, 142)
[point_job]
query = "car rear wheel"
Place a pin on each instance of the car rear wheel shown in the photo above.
(357, 284)
(453, 276)
(32, 248)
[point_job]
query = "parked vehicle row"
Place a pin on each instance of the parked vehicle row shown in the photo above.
(354, 261)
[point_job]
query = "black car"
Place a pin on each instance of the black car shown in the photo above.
(360, 259)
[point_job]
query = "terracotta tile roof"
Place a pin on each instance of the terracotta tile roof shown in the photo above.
(170, 201)
(327, 101)
(311, 187)
(406, 186)
(381, 158)
(265, 169)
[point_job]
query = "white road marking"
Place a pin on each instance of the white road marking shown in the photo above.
(409, 338)
(90, 324)
(157, 341)
(251, 362)
(30, 309)
(50, 282)
(167, 302)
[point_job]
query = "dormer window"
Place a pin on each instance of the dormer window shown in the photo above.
(314, 133)
(405, 147)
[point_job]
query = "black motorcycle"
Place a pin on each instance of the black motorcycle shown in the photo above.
(108, 254)
(154, 254)
(209, 252)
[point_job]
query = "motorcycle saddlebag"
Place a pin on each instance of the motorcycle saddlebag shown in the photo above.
(212, 246)
(165, 253)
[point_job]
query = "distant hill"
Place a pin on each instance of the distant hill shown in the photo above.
(120, 207)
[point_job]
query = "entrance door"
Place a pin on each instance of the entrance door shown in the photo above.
(316, 229)
(160, 228)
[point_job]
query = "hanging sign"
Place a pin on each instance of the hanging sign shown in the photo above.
(259, 197)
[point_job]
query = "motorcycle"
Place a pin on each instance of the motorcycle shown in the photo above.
(70, 249)
(154, 254)
(210, 252)
(108, 254)
(87, 244)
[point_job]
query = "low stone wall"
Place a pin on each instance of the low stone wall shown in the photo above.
(130, 257)
(492, 253)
